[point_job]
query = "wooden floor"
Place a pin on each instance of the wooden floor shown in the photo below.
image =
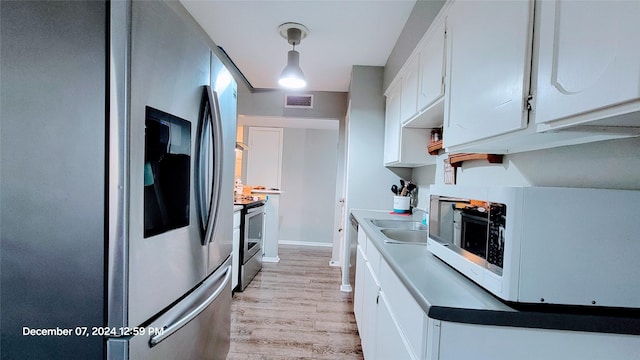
(294, 309)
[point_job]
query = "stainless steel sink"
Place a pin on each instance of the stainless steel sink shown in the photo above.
(404, 236)
(398, 224)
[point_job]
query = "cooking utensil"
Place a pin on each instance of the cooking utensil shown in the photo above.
(394, 189)
(402, 188)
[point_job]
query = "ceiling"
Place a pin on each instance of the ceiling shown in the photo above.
(341, 34)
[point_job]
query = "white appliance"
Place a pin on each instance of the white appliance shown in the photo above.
(118, 151)
(565, 246)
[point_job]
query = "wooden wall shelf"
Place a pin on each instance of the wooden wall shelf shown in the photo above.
(434, 147)
(456, 160)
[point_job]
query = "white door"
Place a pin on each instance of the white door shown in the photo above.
(264, 160)
(489, 46)
(589, 57)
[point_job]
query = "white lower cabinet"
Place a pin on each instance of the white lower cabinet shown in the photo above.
(369, 314)
(507, 343)
(390, 344)
(358, 288)
(391, 324)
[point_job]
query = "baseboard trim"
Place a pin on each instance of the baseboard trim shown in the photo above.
(271, 259)
(304, 243)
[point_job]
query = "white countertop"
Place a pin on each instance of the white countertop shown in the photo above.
(428, 279)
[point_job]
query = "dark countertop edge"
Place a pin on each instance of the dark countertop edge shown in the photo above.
(538, 320)
(514, 317)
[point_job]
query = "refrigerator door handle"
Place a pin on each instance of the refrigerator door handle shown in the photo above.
(209, 155)
(218, 161)
(217, 282)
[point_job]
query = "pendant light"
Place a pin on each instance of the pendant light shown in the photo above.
(292, 76)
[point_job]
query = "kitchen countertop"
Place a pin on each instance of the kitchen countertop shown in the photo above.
(266, 191)
(445, 294)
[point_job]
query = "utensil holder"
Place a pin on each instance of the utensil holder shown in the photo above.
(401, 204)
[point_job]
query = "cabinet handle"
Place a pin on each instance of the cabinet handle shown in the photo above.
(377, 298)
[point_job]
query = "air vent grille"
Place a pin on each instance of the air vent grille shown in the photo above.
(304, 101)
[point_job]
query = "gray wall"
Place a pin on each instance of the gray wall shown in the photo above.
(326, 105)
(309, 163)
(419, 21)
(312, 160)
(368, 181)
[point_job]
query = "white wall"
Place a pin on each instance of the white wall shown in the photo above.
(613, 164)
(309, 165)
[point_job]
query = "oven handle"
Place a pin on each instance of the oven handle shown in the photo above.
(255, 209)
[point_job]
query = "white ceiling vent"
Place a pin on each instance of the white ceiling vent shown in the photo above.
(302, 101)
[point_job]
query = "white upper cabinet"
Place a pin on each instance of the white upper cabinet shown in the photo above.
(425, 73)
(489, 57)
(431, 87)
(415, 102)
(409, 95)
(588, 62)
(392, 125)
(403, 147)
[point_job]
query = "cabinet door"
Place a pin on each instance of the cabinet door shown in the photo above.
(392, 126)
(408, 315)
(431, 87)
(358, 292)
(369, 315)
(489, 58)
(389, 343)
(409, 94)
(589, 56)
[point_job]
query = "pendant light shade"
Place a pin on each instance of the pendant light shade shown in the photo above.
(292, 76)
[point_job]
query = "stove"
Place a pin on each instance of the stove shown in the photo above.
(251, 238)
(246, 200)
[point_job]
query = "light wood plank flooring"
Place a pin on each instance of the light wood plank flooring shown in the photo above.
(295, 310)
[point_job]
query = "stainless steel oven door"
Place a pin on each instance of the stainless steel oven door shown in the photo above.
(253, 232)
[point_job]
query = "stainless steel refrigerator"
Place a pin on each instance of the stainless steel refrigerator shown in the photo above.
(116, 182)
